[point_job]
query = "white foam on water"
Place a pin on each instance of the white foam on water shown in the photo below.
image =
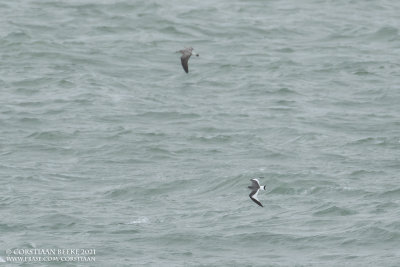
(139, 220)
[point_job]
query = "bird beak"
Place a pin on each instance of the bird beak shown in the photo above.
(194, 53)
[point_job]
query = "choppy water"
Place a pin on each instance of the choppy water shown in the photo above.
(106, 143)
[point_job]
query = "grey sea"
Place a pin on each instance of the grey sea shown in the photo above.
(111, 155)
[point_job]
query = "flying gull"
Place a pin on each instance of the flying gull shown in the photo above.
(186, 53)
(255, 188)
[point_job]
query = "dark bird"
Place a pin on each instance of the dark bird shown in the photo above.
(186, 53)
(255, 188)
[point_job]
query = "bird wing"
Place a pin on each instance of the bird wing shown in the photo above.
(184, 60)
(253, 196)
(255, 182)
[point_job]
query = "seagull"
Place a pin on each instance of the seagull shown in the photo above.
(255, 188)
(186, 53)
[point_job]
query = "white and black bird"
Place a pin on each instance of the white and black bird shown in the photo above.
(255, 188)
(186, 53)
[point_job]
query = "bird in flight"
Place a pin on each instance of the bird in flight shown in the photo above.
(255, 188)
(186, 53)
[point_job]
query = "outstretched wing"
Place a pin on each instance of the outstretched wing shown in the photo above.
(184, 60)
(255, 183)
(253, 196)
